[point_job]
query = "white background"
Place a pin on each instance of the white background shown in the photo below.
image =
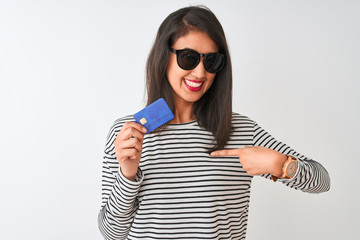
(68, 69)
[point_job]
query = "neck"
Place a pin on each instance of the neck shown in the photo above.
(183, 112)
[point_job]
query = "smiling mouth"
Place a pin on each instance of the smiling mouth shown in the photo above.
(193, 85)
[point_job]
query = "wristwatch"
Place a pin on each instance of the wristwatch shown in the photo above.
(289, 168)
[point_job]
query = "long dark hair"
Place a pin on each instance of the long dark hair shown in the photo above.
(213, 110)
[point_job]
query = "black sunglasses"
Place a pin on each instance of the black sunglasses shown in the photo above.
(188, 59)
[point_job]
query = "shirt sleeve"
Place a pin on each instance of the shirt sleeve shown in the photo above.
(119, 195)
(310, 176)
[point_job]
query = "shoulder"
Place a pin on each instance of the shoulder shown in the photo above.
(118, 123)
(114, 130)
(239, 119)
(242, 131)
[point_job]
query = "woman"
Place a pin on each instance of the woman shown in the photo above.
(166, 185)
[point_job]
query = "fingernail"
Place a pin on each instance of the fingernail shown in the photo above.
(212, 154)
(144, 130)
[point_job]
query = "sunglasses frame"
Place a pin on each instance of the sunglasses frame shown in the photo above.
(177, 52)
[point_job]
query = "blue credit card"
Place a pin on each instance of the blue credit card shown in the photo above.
(154, 115)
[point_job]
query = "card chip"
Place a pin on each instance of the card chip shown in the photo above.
(154, 115)
(143, 121)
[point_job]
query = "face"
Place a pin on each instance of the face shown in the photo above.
(190, 85)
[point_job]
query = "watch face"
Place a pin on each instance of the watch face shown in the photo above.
(291, 169)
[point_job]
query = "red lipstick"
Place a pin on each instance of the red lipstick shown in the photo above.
(193, 85)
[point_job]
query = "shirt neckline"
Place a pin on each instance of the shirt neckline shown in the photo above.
(182, 124)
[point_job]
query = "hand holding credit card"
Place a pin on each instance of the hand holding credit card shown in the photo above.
(154, 115)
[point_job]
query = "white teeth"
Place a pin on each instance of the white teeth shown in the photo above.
(193, 84)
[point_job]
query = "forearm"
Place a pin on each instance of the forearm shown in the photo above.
(120, 205)
(310, 176)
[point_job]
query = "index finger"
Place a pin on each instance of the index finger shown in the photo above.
(135, 125)
(226, 152)
(129, 130)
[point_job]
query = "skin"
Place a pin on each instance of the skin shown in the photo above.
(128, 148)
(128, 143)
(184, 98)
(256, 160)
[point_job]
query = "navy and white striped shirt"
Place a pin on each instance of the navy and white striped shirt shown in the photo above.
(180, 192)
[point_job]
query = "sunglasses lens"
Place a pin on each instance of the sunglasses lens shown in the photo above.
(188, 59)
(214, 62)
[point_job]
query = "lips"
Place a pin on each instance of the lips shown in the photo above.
(193, 85)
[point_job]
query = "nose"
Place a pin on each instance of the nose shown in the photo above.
(199, 71)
